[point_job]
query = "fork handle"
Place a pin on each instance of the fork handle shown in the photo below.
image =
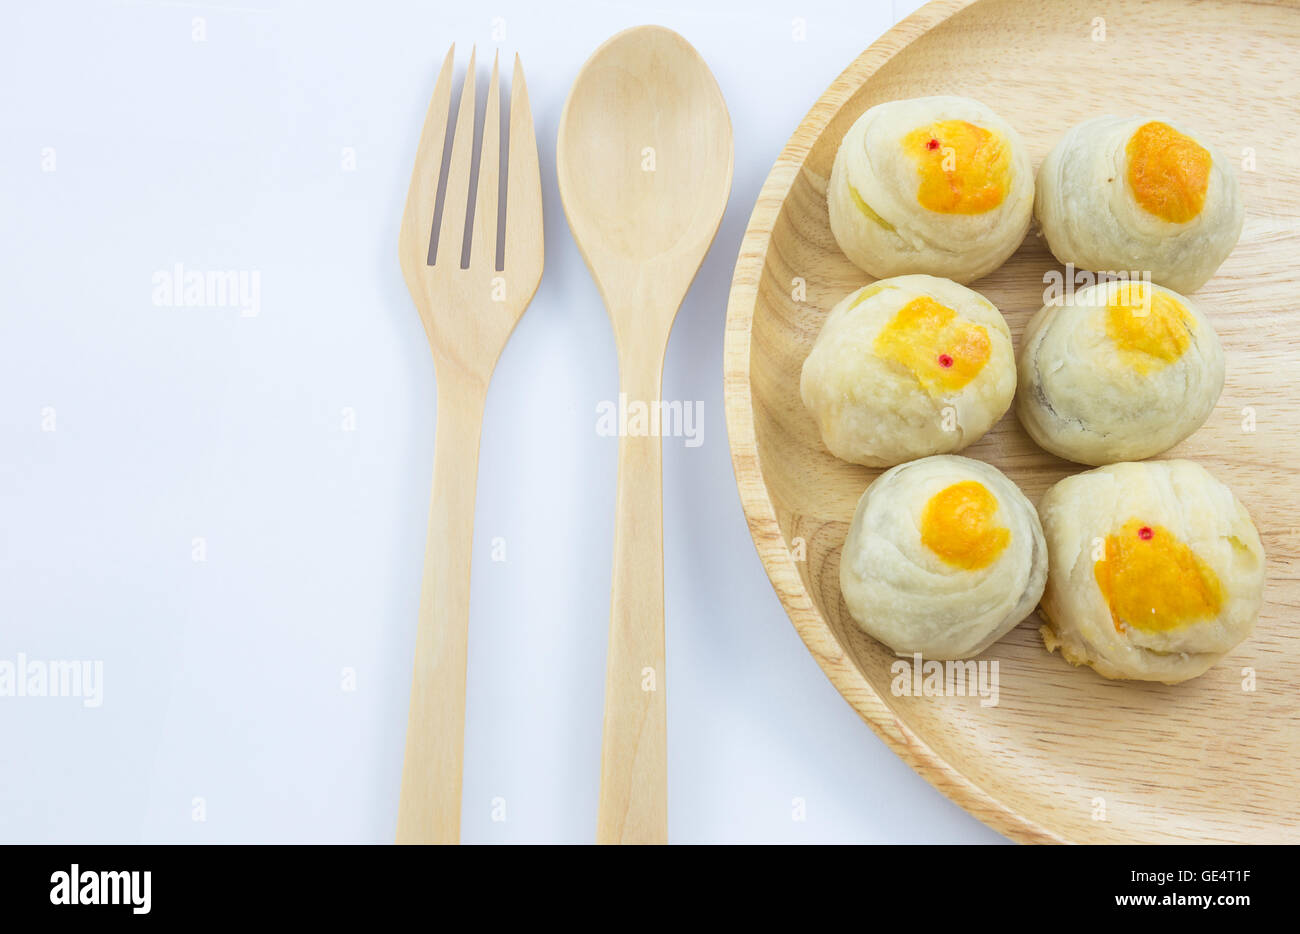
(633, 806)
(429, 808)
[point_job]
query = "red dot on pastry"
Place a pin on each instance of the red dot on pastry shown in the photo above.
(945, 360)
(933, 144)
(1145, 533)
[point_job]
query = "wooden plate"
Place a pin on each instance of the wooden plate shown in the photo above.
(1065, 756)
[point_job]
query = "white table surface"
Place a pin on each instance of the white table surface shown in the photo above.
(260, 694)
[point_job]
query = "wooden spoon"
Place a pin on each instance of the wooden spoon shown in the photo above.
(644, 159)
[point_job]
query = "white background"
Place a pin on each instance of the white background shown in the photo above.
(224, 679)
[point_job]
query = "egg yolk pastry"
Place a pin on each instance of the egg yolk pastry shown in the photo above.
(1156, 573)
(944, 556)
(938, 185)
(908, 367)
(1119, 371)
(1139, 195)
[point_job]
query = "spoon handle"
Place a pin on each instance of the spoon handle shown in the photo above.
(429, 808)
(633, 804)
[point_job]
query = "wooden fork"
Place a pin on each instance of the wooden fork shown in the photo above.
(468, 314)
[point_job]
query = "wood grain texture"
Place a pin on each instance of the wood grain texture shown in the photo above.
(1202, 761)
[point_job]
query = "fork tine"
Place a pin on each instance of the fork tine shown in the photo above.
(451, 234)
(422, 195)
(483, 248)
(523, 187)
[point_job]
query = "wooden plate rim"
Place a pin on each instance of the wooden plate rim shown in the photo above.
(812, 627)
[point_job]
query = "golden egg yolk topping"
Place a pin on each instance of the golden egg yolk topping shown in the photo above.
(943, 350)
(1168, 172)
(1153, 582)
(1151, 329)
(964, 168)
(957, 525)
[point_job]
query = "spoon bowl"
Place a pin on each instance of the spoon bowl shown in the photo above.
(645, 158)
